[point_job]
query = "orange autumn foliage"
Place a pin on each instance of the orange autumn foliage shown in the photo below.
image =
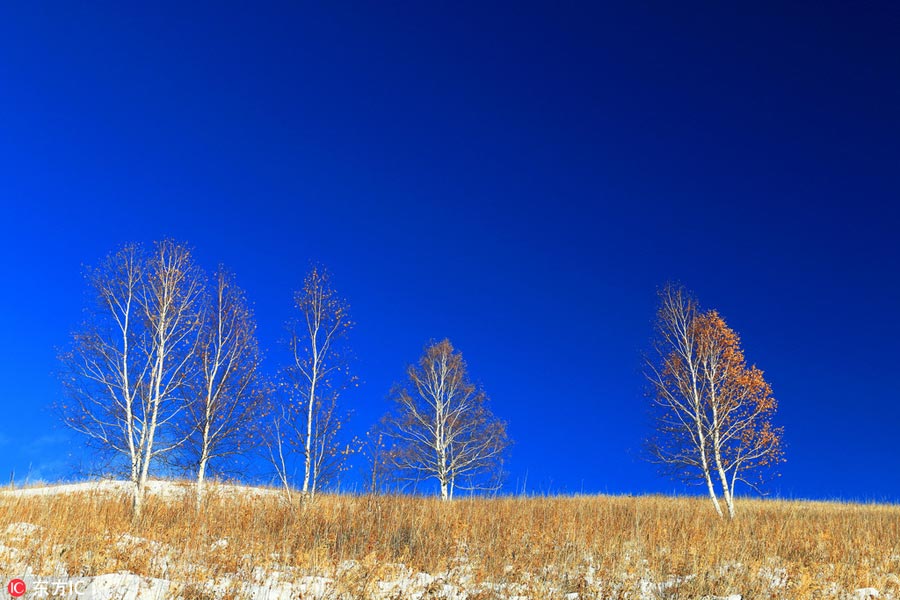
(714, 413)
(741, 404)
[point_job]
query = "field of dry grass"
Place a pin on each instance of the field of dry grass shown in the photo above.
(246, 544)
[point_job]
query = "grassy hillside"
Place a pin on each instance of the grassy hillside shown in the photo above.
(250, 542)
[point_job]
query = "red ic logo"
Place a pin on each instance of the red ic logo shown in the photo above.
(16, 588)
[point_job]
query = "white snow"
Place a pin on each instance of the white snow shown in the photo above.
(167, 490)
(20, 531)
(776, 576)
(9, 555)
(288, 584)
(219, 544)
(124, 586)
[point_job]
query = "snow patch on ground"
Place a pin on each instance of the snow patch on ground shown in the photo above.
(777, 577)
(167, 490)
(219, 544)
(124, 586)
(21, 531)
(401, 583)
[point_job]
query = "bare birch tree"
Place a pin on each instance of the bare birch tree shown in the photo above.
(316, 377)
(713, 413)
(108, 366)
(229, 398)
(442, 429)
(126, 373)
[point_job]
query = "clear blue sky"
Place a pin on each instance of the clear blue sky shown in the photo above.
(517, 178)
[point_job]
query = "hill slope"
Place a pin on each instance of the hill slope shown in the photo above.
(249, 543)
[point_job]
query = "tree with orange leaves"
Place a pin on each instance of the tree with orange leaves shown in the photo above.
(713, 412)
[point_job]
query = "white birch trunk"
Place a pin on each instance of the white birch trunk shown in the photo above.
(717, 445)
(307, 461)
(309, 464)
(201, 468)
(205, 441)
(707, 471)
(137, 501)
(726, 489)
(688, 353)
(201, 474)
(150, 427)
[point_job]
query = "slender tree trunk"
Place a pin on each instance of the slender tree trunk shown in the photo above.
(717, 454)
(704, 460)
(147, 450)
(314, 375)
(137, 500)
(208, 406)
(145, 467)
(444, 478)
(442, 451)
(279, 463)
(201, 474)
(136, 490)
(205, 442)
(134, 453)
(726, 489)
(143, 474)
(315, 477)
(698, 423)
(308, 462)
(734, 474)
(443, 471)
(129, 401)
(135, 471)
(726, 493)
(712, 491)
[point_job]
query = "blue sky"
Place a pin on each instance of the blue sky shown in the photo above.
(518, 178)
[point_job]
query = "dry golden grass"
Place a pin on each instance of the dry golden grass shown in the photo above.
(596, 546)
